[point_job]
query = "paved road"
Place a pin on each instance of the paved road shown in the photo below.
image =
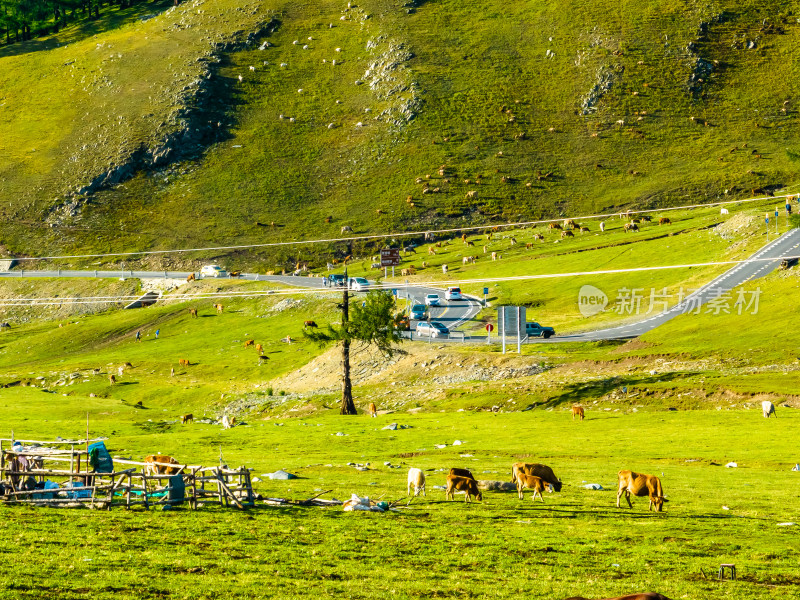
(786, 245)
(455, 313)
(451, 314)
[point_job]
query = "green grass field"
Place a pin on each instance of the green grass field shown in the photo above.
(576, 542)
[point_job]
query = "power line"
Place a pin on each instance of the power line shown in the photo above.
(381, 286)
(396, 234)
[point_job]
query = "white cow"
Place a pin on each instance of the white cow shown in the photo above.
(416, 478)
(602, 226)
(444, 269)
(723, 211)
(769, 409)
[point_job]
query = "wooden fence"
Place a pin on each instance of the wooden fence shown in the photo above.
(25, 466)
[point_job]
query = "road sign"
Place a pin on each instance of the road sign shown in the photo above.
(485, 291)
(390, 257)
(489, 327)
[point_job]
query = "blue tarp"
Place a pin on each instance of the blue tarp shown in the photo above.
(100, 459)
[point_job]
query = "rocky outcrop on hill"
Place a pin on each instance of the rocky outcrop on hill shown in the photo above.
(196, 120)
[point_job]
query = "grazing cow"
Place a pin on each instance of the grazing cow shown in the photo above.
(664, 221)
(190, 277)
(410, 250)
(193, 313)
(569, 224)
(542, 471)
(184, 362)
(249, 343)
(472, 194)
(513, 241)
(347, 229)
(531, 482)
(469, 243)
(444, 269)
(645, 596)
(554, 226)
(309, 324)
(577, 411)
(228, 422)
(112, 380)
(461, 473)
(631, 227)
(373, 410)
(602, 226)
(494, 255)
(584, 229)
(538, 236)
(464, 484)
(160, 464)
(768, 408)
(188, 418)
(640, 484)
(567, 234)
(432, 250)
(259, 348)
(416, 479)
(219, 308)
(723, 211)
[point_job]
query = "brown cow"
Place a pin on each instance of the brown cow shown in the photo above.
(664, 221)
(373, 410)
(577, 411)
(311, 324)
(461, 473)
(631, 227)
(193, 312)
(469, 486)
(184, 362)
(645, 596)
(159, 464)
(566, 234)
(542, 471)
(531, 482)
(190, 277)
(188, 418)
(554, 226)
(249, 343)
(112, 380)
(219, 308)
(259, 348)
(640, 484)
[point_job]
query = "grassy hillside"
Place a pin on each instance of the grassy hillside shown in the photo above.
(593, 104)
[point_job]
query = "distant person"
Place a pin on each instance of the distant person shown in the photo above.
(157, 332)
(138, 336)
(788, 207)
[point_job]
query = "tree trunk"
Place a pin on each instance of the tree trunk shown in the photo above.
(348, 407)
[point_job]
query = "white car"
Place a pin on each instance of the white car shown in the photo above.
(212, 271)
(453, 293)
(358, 284)
(432, 329)
(433, 300)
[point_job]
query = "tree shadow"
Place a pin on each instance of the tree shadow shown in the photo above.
(85, 27)
(582, 391)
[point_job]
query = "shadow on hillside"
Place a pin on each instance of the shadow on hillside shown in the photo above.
(576, 393)
(85, 27)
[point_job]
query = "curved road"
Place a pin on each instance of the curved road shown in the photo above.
(455, 313)
(786, 245)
